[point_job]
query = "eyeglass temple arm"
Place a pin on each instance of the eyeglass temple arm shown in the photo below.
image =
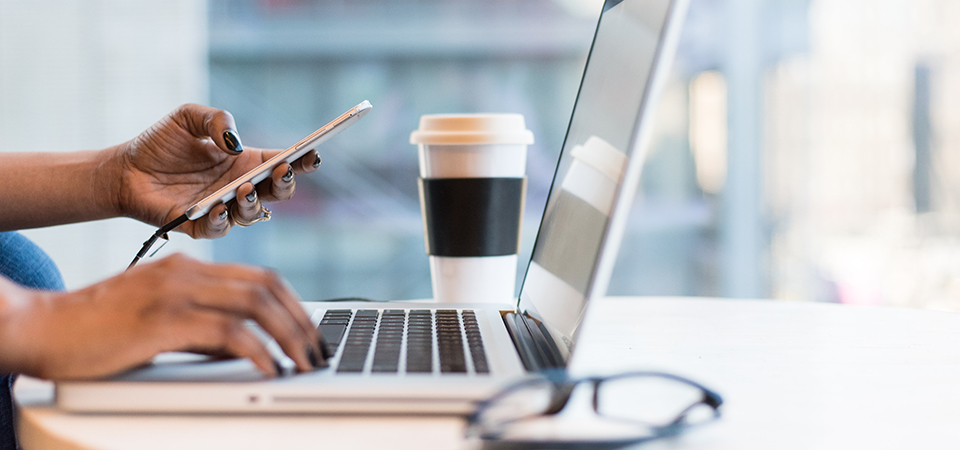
(710, 398)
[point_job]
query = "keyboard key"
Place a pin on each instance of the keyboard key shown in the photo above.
(332, 326)
(332, 333)
(475, 342)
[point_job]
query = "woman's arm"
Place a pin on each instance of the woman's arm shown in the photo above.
(153, 178)
(43, 189)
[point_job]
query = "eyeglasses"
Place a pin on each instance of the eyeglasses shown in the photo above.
(628, 409)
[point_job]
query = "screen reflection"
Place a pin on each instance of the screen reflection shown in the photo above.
(595, 154)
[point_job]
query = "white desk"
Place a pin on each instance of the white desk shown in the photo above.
(793, 375)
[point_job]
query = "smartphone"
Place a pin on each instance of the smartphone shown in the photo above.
(261, 172)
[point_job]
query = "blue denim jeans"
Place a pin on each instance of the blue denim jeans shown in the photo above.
(26, 264)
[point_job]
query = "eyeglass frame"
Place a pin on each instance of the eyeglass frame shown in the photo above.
(563, 387)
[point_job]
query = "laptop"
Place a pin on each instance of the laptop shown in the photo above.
(434, 358)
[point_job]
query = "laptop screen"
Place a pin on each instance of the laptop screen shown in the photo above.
(601, 140)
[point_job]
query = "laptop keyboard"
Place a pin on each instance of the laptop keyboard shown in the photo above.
(405, 341)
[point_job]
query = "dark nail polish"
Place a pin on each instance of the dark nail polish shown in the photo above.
(315, 361)
(251, 196)
(289, 175)
(233, 141)
(317, 162)
(278, 367)
(322, 343)
(222, 215)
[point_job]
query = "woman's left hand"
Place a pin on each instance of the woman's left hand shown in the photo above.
(189, 154)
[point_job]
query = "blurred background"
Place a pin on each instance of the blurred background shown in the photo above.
(804, 150)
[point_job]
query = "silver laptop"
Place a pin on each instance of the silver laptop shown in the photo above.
(409, 357)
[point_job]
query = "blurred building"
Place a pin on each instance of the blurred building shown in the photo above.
(862, 169)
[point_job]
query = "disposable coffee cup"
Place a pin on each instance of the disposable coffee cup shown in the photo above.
(472, 193)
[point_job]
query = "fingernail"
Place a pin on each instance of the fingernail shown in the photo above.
(232, 141)
(289, 175)
(222, 215)
(251, 196)
(316, 362)
(317, 162)
(278, 368)
(324, 350)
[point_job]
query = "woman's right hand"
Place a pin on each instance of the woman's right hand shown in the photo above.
(175, 304)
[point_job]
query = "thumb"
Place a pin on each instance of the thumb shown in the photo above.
(205, 121)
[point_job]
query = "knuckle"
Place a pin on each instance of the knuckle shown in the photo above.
(219, 230)
(271, 279)
(176, 259)
(258, 273)
(213, 221)
(151, 281)
(284, 190)
(229, 331)
(289, 336)
(165, 309)
(182, 109)
(165, 285)
(250, 210)
(257, 299)
(186, 109)
(166, 264)
(223, 116)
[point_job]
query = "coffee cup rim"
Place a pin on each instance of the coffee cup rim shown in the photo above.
(472, 129)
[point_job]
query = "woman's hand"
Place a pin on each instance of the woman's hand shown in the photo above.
(187, 155)
(175, 304)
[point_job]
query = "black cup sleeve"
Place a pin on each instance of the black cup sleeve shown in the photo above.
(472, 216)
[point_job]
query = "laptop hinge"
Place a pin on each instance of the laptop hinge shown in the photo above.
(533, 342)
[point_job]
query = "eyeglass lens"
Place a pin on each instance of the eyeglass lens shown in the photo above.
(526, 400)
(651, 400)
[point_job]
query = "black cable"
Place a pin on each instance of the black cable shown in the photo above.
(160, 234)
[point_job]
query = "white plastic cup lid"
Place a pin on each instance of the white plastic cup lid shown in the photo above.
(602, 156)
(471, 129)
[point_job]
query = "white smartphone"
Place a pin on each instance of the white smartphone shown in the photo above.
(261, 172)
